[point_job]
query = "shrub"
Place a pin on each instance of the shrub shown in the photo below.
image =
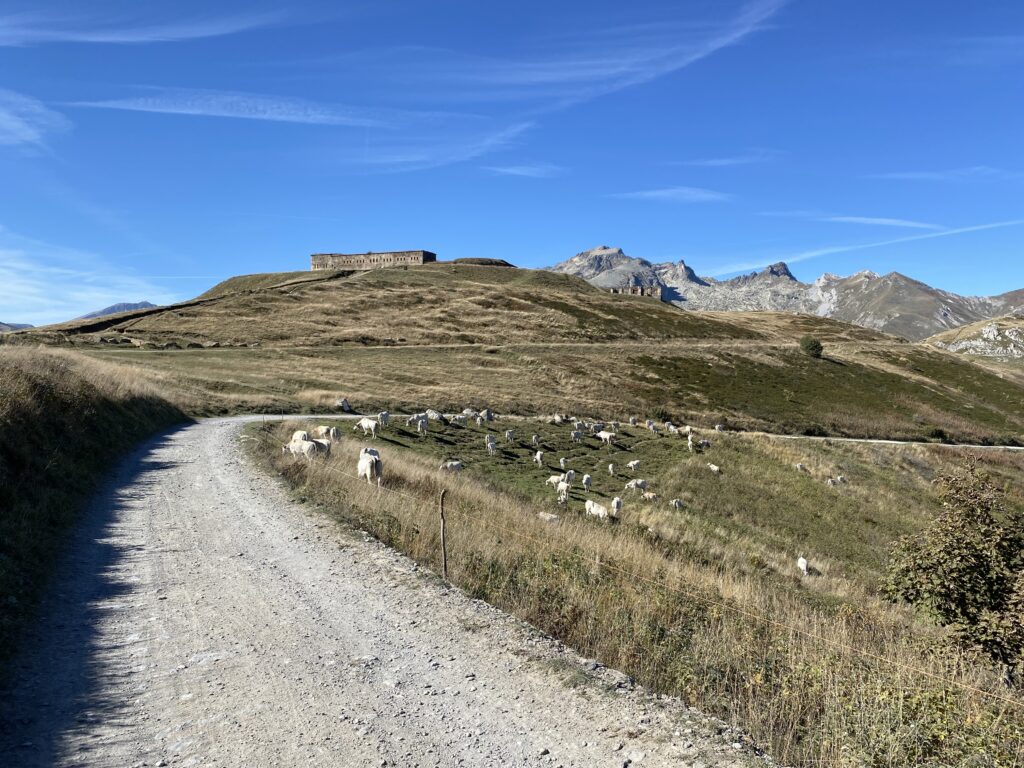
(966, 569)
(811, 347)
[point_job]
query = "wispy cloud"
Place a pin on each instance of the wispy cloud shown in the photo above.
(815, 253)
(416, 151)
(47, 283)
(970, 173)
(750, 157)
(531, 170)
(24, 121)
(676, 195)
(35, 29)
(245, 106)
(877, 221)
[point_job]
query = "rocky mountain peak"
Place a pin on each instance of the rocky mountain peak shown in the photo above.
(778, 269)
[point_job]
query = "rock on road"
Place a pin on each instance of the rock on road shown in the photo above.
(200, 617)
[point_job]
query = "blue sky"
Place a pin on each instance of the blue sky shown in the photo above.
(148, 152)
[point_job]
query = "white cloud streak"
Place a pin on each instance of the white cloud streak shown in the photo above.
(676, 195)
(877, 221)
(530, 171)
(45, 283)
(24, 121)
(29, 29)
(970, 173)
(834, 249)
(244, 106)
(750, 157)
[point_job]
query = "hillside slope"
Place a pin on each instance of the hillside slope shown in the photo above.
(1001, 338)
(892, 303)
(530, 341)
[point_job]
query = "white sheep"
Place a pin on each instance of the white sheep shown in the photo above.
(611, 470)
(636, 484)
(841, 479)
(343, 404)
(800, 467)
(569, 477)
(535, 441)
(719, 428)
(830, 482)
(383, 418)
(322, 446)
(369, 426)
(553, 481)
(596, 427)
(305, 448)
(487, 414)
(649, 424)
(715, 469)
(563, 492)
(370, 466)
(414, 418)
(510, 435)
(676, 503)
(421, 427)
(585, 482)
(538, 458)
(489, 444)
(459, 419)
(632, 421)
(607, 438)
(300, 436)
(596, 510)
(327, 433)
(615, 426)
(688, 429)
(451, 466)
(480, 421)
(689, 443)
(562, 462)
(649, 496)
(801, 563)
(616, 507)
(576, 436)
(633, 465)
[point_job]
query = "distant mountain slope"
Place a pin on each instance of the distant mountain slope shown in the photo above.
(892, 303)
(1001, 338)
(5, 327)
(113, 309)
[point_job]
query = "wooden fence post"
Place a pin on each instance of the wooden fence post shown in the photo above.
(444, 546)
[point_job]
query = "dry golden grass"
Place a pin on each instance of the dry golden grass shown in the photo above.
(706, 603)
(64, 418)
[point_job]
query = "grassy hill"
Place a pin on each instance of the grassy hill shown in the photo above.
(1001, 338)
(529, 341)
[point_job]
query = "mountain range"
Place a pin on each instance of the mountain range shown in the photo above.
(5, 327)
(892, 303)
(113, 309)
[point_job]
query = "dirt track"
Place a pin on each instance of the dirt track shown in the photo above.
(202, 618)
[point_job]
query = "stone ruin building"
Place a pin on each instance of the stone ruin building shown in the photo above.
(653, 291)
(372, 260)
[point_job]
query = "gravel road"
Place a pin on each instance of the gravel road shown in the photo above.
(200, 617)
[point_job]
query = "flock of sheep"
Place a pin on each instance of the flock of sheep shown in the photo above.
(370, 466)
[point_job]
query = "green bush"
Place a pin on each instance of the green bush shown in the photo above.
(811, 346)
(966, 569)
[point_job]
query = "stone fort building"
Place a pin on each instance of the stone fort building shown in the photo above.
(639, 290)
(361, 261)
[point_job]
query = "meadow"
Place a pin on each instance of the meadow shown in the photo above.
(705, 602)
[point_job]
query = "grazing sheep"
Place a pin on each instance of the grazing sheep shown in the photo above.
(369, 426)
(596, 427)
(460, 419)
(558, 418)
(616, 507)
(801, 563)
(421, 427)
(489, 444)
(672, 429)
(548, 517)
(535, 441)
(414, 418)
(611, 470)
(596, 510)
(343, 404)
(649, 424)
(632, 421)
(553, 481)
(451, 466)
(830, 482)
(383, 418)
(305, 448)
(563, 492)
(436, 416)
(676, 503)
(585, 482)
(327, 433)
(480, 421)
(649, 496)
(470, 412)
(301, 436)
(578, 425)
(607, 438)
(562, 462)
(576, 436)
(715, 469)
(538, 458)
(322, 446)
(719, 428)
(841, 479)
(636, 485)
(510, 435)
(614, 425)
(633, 465)
(569, 477)
(704, 445)
(801, 467)
(689, 443)
(487, 414)
(688, 429)
(370, 466)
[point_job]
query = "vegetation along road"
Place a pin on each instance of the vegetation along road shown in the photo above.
(202, 617)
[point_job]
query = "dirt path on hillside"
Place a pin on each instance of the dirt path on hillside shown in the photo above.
(202, 618)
